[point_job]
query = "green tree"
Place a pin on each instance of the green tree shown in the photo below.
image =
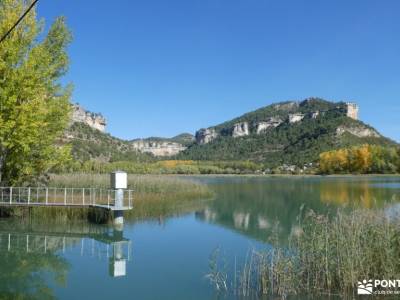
(34, 106)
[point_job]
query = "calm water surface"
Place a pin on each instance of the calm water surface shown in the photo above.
(168, 258)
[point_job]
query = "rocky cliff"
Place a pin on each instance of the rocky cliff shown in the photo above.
(292, 132)
(276, 115)
(158, 148)
(163, 146)
(94, 120)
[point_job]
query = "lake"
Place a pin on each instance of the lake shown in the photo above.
(168, 258)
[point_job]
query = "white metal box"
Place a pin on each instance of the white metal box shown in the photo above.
(119, 180)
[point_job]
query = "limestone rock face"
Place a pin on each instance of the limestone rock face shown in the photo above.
(314, 114)
(94, 120)
(204, 136)
(158, 148)
(358, 131)
(293, 118)
(240, 129)
(270, 123)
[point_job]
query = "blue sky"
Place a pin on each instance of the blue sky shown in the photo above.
(159, 68)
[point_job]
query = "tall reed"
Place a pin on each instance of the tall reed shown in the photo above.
(327, 255)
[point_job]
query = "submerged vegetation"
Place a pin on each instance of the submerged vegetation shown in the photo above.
(326, 255)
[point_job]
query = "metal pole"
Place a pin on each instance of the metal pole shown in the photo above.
(29, 195)
(65, 196)
(45, 243)
(47, 196)
(11, 190)
(83, 196)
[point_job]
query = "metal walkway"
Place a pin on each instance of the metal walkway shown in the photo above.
(63, 197)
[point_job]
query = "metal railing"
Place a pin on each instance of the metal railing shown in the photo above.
(52, 196)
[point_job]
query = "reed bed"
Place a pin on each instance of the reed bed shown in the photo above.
(154, 195)
(326, 256)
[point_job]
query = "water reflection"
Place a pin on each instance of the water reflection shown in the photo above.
(31, 253)
(253, 206)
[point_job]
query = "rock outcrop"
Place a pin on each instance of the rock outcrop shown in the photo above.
(158, 148)
(270, 123)
(94, 120)
(240, 129)
(358, 131)
(352, 110)
(206, 135)
(294, 118)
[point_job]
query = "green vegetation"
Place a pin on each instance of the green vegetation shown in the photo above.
(186, 139)
(34, 110)
(166, 167)
(154, 196)
(91, 144)
(290, 143)
(326, 256)
(365, 159)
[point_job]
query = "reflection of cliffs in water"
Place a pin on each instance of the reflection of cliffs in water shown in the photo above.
(253, 206)
(29, 253)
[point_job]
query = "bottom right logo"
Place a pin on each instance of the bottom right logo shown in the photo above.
(364, 287)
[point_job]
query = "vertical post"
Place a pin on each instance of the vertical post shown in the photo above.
(83, 196)
(29, 195)
(45, 243)
(119, 182)
(65, 196)
(27, 243)
(9, 242)
(19, 195)
(47, 196)
(11, 190)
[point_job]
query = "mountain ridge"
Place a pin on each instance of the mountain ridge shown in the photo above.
(288, 132)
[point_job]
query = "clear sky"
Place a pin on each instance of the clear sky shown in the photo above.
(162, 67)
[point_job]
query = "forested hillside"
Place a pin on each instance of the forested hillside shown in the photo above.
(297, 134)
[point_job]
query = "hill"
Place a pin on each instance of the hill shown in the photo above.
(89, 143)
(292, 133)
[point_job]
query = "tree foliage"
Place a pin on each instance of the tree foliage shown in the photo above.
(34, 106)
(363, 159)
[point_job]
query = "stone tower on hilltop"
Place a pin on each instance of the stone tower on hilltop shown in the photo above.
(352, 110)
